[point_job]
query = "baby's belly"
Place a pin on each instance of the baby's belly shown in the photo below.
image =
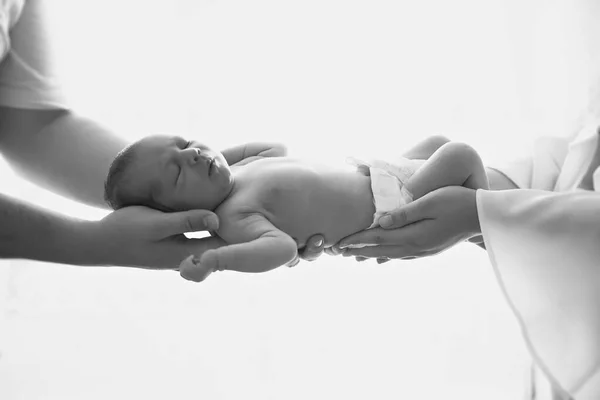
(332, 209)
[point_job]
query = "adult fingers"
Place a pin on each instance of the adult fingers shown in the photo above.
(330, 251)
(383, 252)
(476, 239)
(294, 262)
(170, 224)
(314, 248)
(379, 236)
(200, 246)
(333, 250)
(382, 260)
(405, 215)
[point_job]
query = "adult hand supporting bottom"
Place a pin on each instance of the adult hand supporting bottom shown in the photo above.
(427, 226)
(146, 238)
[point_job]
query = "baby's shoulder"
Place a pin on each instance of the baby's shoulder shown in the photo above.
(233, 217)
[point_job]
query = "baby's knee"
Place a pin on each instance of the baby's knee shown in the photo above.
(437, 141)
(462, 152)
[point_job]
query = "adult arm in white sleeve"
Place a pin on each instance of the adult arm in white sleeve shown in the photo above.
(545, 250)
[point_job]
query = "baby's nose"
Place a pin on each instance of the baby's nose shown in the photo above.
(193, 155)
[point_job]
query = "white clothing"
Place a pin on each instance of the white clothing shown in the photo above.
(387, 183)
(26, 79)
(545, 249)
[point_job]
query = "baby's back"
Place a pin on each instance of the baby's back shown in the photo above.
(302, 199)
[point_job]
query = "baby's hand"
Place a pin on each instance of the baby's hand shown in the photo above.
(198, 269)
(313, 249)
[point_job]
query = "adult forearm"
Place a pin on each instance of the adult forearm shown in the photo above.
(59, 151)
(31, 232)
(137, 237)
(497, 181)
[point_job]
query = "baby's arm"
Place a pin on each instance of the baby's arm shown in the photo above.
(246, 153)
(453, 164)
(263, 247)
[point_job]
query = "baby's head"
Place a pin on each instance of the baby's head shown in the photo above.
(168, 173)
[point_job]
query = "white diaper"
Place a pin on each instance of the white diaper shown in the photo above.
(387, 183)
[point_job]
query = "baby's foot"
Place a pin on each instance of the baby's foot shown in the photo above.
(197, 269)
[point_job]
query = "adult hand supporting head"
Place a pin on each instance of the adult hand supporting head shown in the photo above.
(427, 226)
(146, 238)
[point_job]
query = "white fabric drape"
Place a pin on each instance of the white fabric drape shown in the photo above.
(544, 244)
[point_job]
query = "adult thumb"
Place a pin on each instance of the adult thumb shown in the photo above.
(402, 216)
(189, 221)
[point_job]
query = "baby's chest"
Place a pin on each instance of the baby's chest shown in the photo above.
(280, 188)
(287, 207)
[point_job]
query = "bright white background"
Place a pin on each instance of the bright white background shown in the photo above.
(328, 78)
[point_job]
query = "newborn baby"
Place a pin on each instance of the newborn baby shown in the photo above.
(269, 208)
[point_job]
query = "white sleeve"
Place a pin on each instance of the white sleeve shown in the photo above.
(26, 76)
(545, 249)
(542, 168)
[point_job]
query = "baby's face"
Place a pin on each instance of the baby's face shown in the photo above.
(182, 174)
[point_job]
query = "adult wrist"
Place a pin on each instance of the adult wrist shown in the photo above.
(83, 245)
(35, 233)
(99, 249)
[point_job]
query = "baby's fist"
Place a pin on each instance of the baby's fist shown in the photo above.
(198, 269)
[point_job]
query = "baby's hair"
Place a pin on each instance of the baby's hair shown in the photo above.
(117, 179)
(120, 188)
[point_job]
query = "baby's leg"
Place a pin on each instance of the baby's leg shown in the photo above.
(453, 164)
(425, 148)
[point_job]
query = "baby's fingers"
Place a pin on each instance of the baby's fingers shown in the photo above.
(196, 269)
(313, 249)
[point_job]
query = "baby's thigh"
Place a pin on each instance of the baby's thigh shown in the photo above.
(459, 164)
(458, 157)
(452, 164)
